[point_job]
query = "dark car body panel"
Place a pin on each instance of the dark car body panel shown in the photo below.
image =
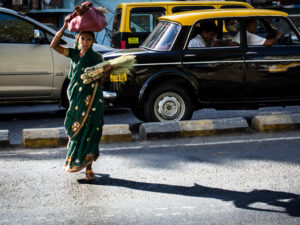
(264, 79)
(222, 77)
(213, 70)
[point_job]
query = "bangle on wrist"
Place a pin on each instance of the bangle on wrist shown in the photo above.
(59, 34)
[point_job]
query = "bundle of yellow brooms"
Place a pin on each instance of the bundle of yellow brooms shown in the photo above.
(120, 65)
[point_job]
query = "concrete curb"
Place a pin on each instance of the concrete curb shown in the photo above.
(192, 128)
(53, 137)
(276, 122)
(4, 138)
(116, 133)
(44, 137)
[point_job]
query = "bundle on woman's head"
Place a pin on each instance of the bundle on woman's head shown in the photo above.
(86, 6)
(87, 18)
(81, 9)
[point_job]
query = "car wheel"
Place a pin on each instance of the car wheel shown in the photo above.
(138, 112)
(168, 102)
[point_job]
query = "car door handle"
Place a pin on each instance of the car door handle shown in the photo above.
(189, 55)
(251, 53)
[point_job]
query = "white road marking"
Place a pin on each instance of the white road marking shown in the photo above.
(244, 141)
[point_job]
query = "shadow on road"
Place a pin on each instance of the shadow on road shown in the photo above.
(288, 201)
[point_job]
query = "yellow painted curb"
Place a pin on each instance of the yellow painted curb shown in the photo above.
(196, 128)
(53, 137)
(44, 137)
(4, 138)
(116, 133)
(276, 122)
(192, 128)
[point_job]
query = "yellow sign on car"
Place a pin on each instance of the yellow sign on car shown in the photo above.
(133, 40)
(118, 78)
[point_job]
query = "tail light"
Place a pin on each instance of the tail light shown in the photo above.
(123, 45)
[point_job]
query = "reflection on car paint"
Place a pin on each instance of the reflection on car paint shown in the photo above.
(282, 68)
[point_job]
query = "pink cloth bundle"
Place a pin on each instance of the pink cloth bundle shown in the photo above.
(87, 18)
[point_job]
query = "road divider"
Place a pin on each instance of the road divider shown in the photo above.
(44, 137)
(192, 128)
(4, 138)
(116, 133)
(53, 137)
(276, 122)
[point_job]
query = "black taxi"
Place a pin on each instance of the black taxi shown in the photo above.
(239, 67)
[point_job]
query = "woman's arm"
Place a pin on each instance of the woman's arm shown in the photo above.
(55, 42)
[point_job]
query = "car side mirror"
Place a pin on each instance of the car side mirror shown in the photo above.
(38, 36)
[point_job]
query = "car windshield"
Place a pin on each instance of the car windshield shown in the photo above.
(162, 37)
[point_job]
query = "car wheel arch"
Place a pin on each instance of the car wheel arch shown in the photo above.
(170, 76)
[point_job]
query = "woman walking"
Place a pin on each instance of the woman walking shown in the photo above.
(84, 118)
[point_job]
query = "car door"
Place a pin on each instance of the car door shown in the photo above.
(219, 68)
(272, 73)
(26, 67)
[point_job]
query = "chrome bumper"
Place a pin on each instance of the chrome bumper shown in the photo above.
(109, 95)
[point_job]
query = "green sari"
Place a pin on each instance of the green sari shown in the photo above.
(84, 118)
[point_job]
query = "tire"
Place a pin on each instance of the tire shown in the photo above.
(138, 112)
(168, 102)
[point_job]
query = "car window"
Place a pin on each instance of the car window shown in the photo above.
(145, 19)
(117, 20)
(189, 8)
(233, 7)
(162, 37)
(268, 27)
(50, 37)
(215, 33)
(296, 20)
(15, 30)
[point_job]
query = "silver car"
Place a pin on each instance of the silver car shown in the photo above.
(29, 69)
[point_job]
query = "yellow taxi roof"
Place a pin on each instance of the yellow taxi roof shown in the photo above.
(189, 18)
(185, 3)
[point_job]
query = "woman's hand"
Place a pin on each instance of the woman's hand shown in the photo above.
(68, 18)
(106, 70)
(55, 41)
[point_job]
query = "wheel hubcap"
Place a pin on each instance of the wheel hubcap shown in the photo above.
(169, 107)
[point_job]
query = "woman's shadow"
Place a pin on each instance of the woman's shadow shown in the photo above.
(288, 201)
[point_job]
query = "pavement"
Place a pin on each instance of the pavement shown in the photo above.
(55, 137)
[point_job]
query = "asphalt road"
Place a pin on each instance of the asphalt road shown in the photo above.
(240, 179)
(17, 117)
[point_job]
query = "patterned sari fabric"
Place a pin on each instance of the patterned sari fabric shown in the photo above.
(84, 118)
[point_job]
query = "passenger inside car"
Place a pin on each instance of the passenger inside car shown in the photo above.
(253, 39)
(227, 29)
(231, 25)
(216, 33)
(205, 34)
